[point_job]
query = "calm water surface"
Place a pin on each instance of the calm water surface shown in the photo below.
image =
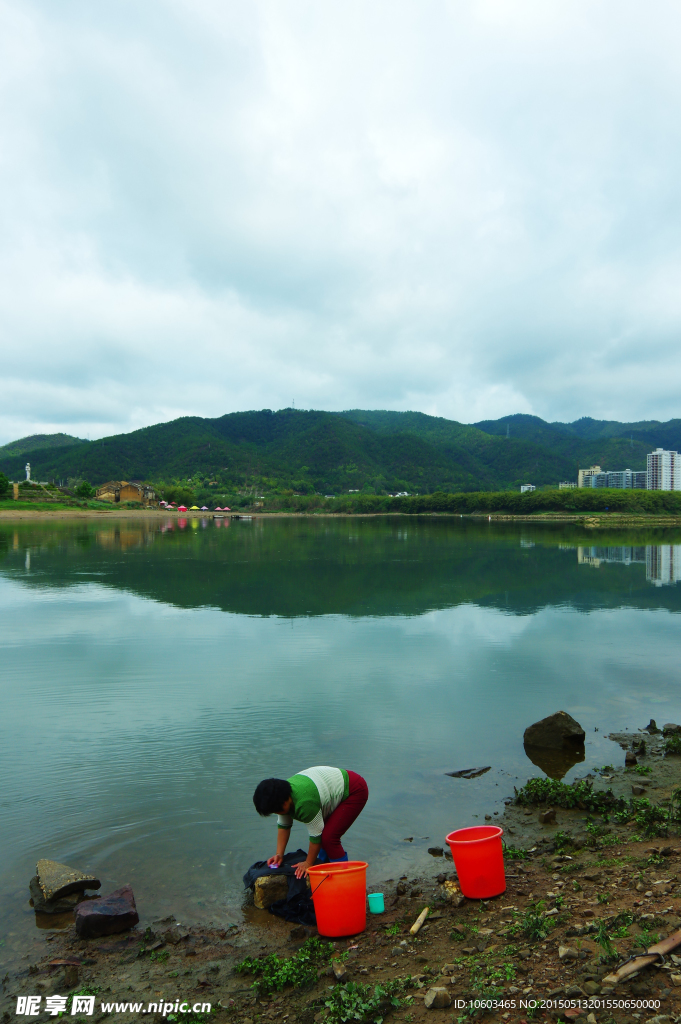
(154, 671)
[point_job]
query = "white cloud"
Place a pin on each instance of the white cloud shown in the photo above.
(469, 209)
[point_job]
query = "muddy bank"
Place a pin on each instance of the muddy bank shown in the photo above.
(583, 882)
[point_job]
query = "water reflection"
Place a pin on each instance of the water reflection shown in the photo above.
(662, 561)
(555, 763)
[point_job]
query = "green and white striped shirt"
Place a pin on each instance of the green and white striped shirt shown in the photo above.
(316, 793)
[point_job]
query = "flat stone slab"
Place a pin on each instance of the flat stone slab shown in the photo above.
(57, 880)
(60, 905)
(107, 916)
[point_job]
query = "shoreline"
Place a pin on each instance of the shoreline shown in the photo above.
(583, 891)
(589, 520)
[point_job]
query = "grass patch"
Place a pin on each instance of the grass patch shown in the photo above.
(532, 924)
(578, 796)
(672, 746)
(514, 852)
(366, 1003)
(273, 973)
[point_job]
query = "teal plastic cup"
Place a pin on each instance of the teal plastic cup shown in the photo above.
(376, 904)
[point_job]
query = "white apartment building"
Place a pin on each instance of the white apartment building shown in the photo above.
(527, 487)
(664, 471)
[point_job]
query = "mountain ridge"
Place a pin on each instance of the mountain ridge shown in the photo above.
(376, 451)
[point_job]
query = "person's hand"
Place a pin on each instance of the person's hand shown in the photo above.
(302, 869)
(275, 862)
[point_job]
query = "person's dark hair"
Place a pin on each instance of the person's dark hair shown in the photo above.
(270, 796)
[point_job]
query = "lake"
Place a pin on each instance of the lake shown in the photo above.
(155, 669)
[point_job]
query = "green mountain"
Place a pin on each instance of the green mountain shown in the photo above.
(36, 442)
(333, 453)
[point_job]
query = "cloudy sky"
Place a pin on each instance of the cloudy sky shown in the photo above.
(466, 208)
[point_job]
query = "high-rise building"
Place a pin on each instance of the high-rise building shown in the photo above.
(664, 471)
(584, 475)
(620, 478)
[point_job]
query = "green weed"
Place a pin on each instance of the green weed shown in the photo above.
(393, 929)
(561, 839)
(647, 938)
(273, 973)
(603, 897)
(355, 1002)
(161, 955)
(672, 745)
(514, 852)
(605, 942)
(532, 925)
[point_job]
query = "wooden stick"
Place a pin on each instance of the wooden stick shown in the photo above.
(416, 927)
(633, 966)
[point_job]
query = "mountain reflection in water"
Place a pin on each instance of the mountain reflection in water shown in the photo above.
(380, 566)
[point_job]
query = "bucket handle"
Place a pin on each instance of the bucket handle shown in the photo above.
(320, 884)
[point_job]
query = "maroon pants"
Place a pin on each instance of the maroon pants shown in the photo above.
(342, 818)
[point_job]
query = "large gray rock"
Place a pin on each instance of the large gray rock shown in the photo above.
(57, 880)
(61, 905)
(558, 731)
(107, 916)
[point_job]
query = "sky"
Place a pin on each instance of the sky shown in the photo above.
(469, 209)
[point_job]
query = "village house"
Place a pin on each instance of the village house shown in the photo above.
(125, 490)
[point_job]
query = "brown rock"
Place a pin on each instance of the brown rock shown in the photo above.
(638, 790)
(339, 970)
(630, 759)
(558, 730)
(57, 880)
(437, 998)
(547, 817)
(108, 915)
(269, 889)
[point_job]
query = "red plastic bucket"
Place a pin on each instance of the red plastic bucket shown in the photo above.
(479, 860)
(339, 894)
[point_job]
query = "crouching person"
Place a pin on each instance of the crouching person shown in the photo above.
(325, 799)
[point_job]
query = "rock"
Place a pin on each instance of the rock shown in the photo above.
(592, 876)
(587, 913)
(339, 971)
(269, 889)
(547, 817)
(441, 877)
(574, 992)
(470, 950)
(166, 929)
(630, 759)
(651, 727)
(675, 979)
(401, 889)
(108, 915)
(297, 933)
(70, 976)
(61, 905)
(437, 998)
(57, 880)
(558, 730)
(592, 988)
(397, 951)
(449, 969)
(436, 851)
(638, 790)
(567, 953)
(670, 729)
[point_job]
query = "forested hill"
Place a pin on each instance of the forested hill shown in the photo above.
(337, 452)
